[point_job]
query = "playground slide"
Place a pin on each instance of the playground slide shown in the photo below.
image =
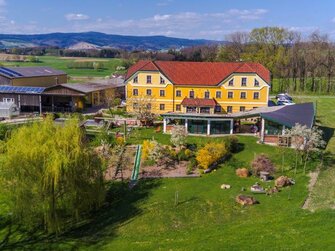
(134, 175)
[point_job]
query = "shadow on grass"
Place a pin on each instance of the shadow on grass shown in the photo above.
(121, 208)
(328, 133)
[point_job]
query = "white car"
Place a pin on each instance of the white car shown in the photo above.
(285, 102)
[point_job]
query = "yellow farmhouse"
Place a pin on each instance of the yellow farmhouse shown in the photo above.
(203, 96)
(197, 87)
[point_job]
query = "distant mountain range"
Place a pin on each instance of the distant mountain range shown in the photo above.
(97, 40)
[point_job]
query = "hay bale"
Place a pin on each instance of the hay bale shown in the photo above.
(283, 181)
(246, 200)
(242, 172)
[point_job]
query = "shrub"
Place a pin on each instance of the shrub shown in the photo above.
(181, 155)
(242, 172)
(262, 164)
(147, 147)
(192, 164)
(210, 154)
(120, 141)
(188, 153)
(178, 136)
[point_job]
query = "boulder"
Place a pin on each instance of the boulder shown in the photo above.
(272, 190)
(242, 172)
(284, 181)
(246, 200)
(225, 186)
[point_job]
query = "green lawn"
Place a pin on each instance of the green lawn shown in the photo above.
(206, 217)
(61, 64)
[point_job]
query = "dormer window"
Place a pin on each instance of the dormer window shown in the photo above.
(162, 80)
(231, 82)
(244, 82)
(256, 83)
(149, 79)
(135, 80)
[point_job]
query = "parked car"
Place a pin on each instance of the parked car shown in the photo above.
(285, 102)
(283, 96)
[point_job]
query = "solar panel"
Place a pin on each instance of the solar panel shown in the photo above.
(6, 73)
(21, 89)
(13, 72)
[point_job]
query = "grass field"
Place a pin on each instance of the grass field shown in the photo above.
(206, 217)
(61, 63)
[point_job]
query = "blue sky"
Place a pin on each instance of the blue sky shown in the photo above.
(210, 19)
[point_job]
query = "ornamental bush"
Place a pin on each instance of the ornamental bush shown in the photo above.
(262, 163)
(210, 154)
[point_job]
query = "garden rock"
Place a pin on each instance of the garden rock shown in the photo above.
(257, 189)
(242, 172)
(225, 186)
(272, 190)
(246, 200)
(284, 181)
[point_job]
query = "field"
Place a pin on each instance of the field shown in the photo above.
(204, 217)
(61, 63)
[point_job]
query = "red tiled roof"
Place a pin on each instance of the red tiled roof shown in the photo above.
(144, 65)
(198, 102)
(199, 73)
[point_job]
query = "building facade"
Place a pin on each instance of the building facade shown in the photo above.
(197, 87)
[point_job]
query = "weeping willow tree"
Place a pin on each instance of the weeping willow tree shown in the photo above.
(49, 176)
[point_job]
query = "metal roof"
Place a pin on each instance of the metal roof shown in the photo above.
(87, 87)
(288, 115)
(21, 72)
(21, 89)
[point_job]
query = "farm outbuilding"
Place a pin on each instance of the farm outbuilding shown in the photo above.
(8, 110)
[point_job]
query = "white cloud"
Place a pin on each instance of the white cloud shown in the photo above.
(161, 17)
(76, 17)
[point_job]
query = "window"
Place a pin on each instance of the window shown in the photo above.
(135, 92)
(217, 109)
(135, 80)
(178, 107)
(205, 109)
(135, 106)
(242, 108)
(207, 95)
(149, 79)
(191, 94)
(149, 106)
(244, 82)
(243, 95)
(218, 94)
(148, 92)
(191, 109)
(162, 107)
(178, 93)
(162, 80)
(256, 83)
(229, 109)
(8, 100)
(230, 95)
(256, 95)
(231, 82)
(162, 93)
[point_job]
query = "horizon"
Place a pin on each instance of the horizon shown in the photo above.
(211, 20)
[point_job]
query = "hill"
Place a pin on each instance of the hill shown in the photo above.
(67, 40)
